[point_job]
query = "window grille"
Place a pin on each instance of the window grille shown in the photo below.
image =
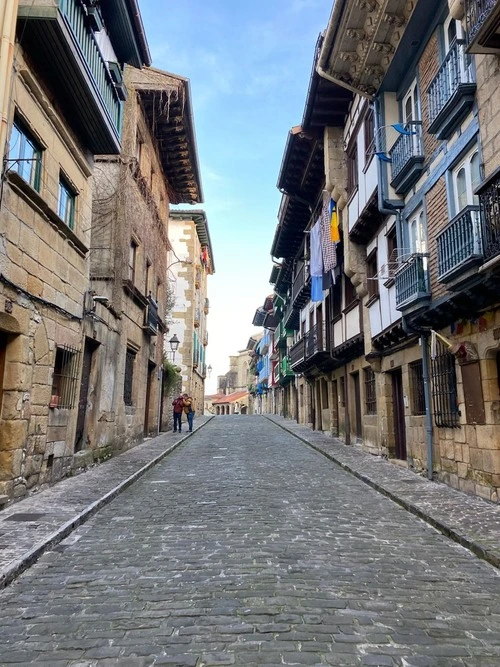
(444, 388)
(129, 377)
(65, 376)
(370, 392)
(417, 388)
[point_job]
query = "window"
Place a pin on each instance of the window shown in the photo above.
(371, 275)
(369, 136)
(25, 155)
(129, 376)
(417, 388)
(66, 202)
(352, 168)
(148, 277)
(349, 292)
(410, 105)
(416, 233)
(466, 177)
(336, 300)
(64, 377)
(132, 259)
(370, 392)
(392, 244)
(444, 388)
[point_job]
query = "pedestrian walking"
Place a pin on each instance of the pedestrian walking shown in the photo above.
(189, 410)
(178, 404)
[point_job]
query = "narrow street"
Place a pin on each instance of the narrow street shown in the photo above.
(244, 546)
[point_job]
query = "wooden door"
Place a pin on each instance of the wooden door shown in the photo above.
(399, 415)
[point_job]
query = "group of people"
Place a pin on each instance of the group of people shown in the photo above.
(183, 404)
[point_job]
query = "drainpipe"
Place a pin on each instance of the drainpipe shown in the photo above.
(8, 18)
(424, 339)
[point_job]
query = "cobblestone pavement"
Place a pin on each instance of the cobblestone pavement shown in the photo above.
(244, 546)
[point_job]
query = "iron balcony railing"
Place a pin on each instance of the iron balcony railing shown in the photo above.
(489, 202)
(291, 318)
(316, 340)
(460, 243)
(455, 70)
(301, 289)
(152, 317)
(408, 147)
(412, 280)
(476, 13)
(76, 20)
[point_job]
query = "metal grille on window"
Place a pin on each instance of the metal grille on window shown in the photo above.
(417, 388)
(65, 376)
(370, 392)
(444, 388)
(129, 376)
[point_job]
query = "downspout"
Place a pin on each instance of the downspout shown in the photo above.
(424, 339)
(8, 19)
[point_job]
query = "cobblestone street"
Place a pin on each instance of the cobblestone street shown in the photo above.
(244, 546)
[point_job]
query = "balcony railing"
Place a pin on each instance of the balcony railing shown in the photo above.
(291, 318)
(280, 335)
(407, 158)
(152, 319)
(481, 19)
(276, 374)
(489, 202)
(77, 21)
(412, 281)
(301, 289)
(451, 93)
(316, 340)
(285, 368)
(460, 244)
(298, 352)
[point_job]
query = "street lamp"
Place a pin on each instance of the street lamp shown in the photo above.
(174, 344)
(209, 370)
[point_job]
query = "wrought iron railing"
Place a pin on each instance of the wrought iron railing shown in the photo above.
(454, 71)
(489, 202)
(476, 13)
(152, 317)
(460, 242)
(412, 280)
(300, 282)
(316, 340)
(408, 145)
(75, 18)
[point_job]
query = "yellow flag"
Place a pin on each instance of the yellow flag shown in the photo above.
(334, 223)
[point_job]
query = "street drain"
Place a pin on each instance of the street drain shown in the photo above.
(24, 516)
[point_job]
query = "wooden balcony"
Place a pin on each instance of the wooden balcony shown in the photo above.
(482, 20)
(151, 319)
(58, 33)
(301, 288)
(460, 246)
(451, 93)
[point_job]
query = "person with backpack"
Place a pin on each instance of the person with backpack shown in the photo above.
(189, 410)
(178, 404)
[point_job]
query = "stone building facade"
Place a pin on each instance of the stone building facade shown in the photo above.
(191, 263)
(129, 259)
(412, 167)
(54, 129)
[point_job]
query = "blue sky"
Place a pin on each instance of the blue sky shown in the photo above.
(249, 64)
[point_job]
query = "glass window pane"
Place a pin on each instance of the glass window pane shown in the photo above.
(475, 173)
(461, 189)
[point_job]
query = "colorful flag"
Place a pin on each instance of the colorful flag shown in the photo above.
(334, 222)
